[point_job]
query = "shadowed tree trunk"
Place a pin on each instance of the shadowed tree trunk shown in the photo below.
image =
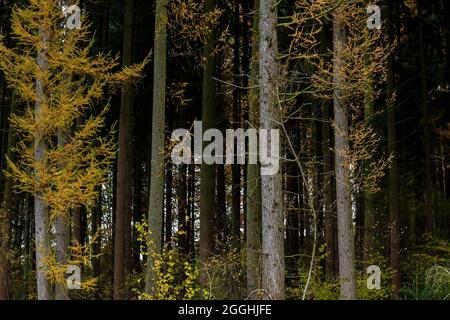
(236, 168)
(5, 224)
(253, 201)
(429, 226)
(182, 195)
(369, 201)
(41, 210)
(327, 179)
(123, 180)
(62, 229)
(329, 218)
(168, 206)
(208, 172)
(393, 170)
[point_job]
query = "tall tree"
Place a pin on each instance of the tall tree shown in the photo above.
(41, 210)
(236, 168)
(271, 185)
(62, 230)
(123, 162)
(369, 201)
(346, 244)
(394, 210)
(253, 177)
(39, 78)
(156, 196)
(209, 119)
(5, 224)
(429, 226)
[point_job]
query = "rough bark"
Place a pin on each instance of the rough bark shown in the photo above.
(156, 196)
(236, 168)
(429, 226)
(346, 244)
(329, 218)
(208, 172)
(62, 229)
(41, 210)
(5, 224)
(123, 185)
(271, 185)
(369, 201)
(253, 226)
(393, 169)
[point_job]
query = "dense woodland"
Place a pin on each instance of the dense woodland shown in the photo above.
(88, 179)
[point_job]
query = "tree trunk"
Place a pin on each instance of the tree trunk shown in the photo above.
(329, 218)
(208, 172)
(369, 201)
(62, 229)
(169, 209)
(343, 189)
(271, 185)
(236, 168)
(182, 195)
(393, 170)
(327, 178)
(5, 225)
(96, 225)
(123, 185)
(429, 226)
(156, 196)
(253, 178)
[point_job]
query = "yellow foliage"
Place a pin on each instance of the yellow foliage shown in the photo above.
(175, 276)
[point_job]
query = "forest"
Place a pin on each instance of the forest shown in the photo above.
(224, 150)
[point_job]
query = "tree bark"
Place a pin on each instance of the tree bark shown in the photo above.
(208, 172)
(236, 168)
(156, 197)
(5, 225)
(41, 210)
(271, 185)
(253, 228)
(343, 189)
(123, 181)
(393, 170)
(429, 226)
(62, 229)
(329, 218)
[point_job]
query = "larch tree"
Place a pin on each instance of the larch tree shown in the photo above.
(394, 205)
(53, 71)
(271, 185)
